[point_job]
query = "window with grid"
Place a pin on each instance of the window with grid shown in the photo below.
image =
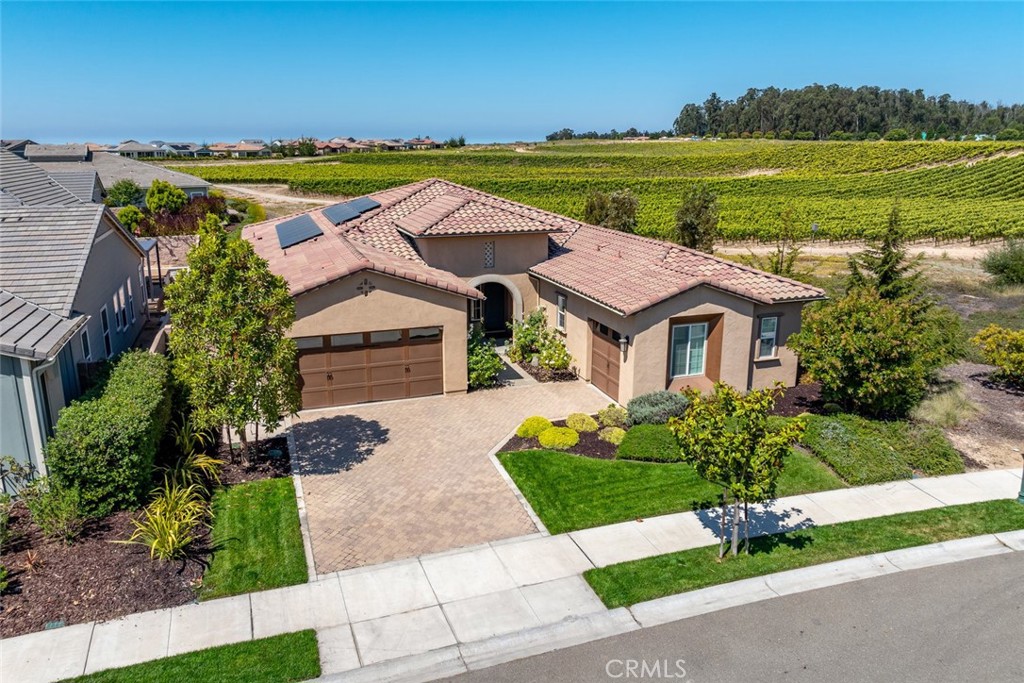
(488, 254)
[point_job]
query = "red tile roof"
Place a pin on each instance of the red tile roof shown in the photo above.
(629, 273)
(624, 272)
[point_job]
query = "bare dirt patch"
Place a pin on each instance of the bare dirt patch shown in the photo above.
(995, 436)
(278, 200)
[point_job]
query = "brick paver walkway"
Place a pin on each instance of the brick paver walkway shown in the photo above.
(386, 481)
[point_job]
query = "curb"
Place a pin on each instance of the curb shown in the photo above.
(457, 659)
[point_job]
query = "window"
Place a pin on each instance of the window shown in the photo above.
(309, 343)
(124, 306)
(131, 297)
(424, 333)
(354, 339)
(86, 347)
(476, 310)
(562, 299)
(386, 337)
(769, 332)
(105, 324)
(117, 309)
(488, 254)
(688, 342)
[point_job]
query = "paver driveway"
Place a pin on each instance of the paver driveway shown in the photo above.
(385, 481)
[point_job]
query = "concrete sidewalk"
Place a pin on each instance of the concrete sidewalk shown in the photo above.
(475, 604)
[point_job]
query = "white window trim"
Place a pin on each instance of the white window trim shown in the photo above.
(672, 351)
(131, 297)
(775, 338)
(476, 310)
(561, 306)
(84, 341)
(105, 329)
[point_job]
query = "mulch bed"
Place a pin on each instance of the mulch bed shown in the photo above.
(803, 398)
(96, 579)
(589, 446)
(544, 375)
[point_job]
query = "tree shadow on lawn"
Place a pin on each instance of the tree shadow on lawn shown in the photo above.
(335, 444)
(766, 524)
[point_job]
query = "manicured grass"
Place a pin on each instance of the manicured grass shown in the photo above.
(259, 544)
(632, 582)
(655, 443)
(289, 657)
(864, 451)
(571, 492)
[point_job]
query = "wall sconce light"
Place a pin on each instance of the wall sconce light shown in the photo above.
(624, 343)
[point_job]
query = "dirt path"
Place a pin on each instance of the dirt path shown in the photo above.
(954, 250)
(274, 196)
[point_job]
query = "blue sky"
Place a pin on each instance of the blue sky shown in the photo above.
(489, 71)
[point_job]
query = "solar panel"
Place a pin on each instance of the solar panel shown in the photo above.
(297, 230)
(363, 204)
(339, 213)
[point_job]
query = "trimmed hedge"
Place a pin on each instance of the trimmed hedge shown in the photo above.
(613, 435)
(581, 422)
(656, 407)
(654, 443)
(864, 451)
(559, 438)
(105, 443)
(533, 426)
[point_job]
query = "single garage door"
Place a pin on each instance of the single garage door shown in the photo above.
(343, 369)
(604, 359)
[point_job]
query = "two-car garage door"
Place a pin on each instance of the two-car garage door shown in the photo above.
(342, 369)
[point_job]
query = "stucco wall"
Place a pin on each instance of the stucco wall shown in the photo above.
(645, 366)
(339, 308)
(464, 256)
(111, 261)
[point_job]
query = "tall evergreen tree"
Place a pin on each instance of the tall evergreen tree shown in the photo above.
(229, 316)
(884, 267)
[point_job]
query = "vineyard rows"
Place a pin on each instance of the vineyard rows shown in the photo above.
(846, 189)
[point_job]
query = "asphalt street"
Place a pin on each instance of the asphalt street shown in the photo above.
(956, 622)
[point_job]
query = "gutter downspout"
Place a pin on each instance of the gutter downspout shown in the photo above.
(41, 409)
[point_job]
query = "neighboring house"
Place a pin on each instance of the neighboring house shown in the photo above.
(387, 285)
(71, 291)
(85, 185)
(185, 149)
(383, 145)
(240, 150)
(133, 149)
(112, 168)
(37, 153)
(423, 143)
(16, 146)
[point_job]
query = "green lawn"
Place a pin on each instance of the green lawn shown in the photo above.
(256, 533)
(632, 582)
(571, 492)
(290, 657)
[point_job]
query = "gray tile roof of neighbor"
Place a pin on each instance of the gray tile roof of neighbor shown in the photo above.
(29, 331)
(82, 184)
(30, 184)
(43, 250)
(113, 167)
(42, 152)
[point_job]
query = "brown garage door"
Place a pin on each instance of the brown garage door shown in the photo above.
(342, 369)
(604, 359)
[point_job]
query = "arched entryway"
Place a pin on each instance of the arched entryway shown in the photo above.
(503, 304)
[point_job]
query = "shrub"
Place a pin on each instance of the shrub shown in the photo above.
(526, 336)
(56, 510)
(169, 524)
(613, 416)
(1006, 263)
(656, 407)
(105, 444)
(553, 354)
(6, 502)
(532, 427)
(124, 192)
(485, 365)
(559, 438)
(651, 442)
(581, 422)
(873, 356)
(199, 469)
(872, 137)
(1003, 348)
(612, 435)
(164, 196)
(855, 448)
(897, 134)
(130, 216)
(3, 579)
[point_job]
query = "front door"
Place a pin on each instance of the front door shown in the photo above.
(604, 359)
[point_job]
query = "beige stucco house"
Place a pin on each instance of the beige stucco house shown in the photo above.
(386, 287)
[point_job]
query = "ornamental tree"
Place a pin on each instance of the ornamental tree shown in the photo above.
(125, 192)
(727, 439)
(163, 196)
(614, 210)
(229, 316)
(697, 219)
